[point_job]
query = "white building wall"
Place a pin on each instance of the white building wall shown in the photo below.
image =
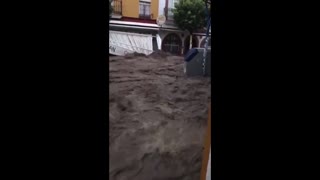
(162, 5)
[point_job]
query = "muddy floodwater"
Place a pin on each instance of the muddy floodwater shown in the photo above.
(157, 118)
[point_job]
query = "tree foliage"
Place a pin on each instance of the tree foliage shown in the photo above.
(189, 14)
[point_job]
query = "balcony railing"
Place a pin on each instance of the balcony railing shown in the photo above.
(144, 16)
(117, 7)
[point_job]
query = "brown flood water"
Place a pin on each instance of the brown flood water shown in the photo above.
(157, 119)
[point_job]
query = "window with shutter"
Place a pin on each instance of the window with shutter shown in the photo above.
(144, 10)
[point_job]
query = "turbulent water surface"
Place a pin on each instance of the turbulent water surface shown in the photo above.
(157, 119)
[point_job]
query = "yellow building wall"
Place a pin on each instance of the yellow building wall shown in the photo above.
(130, 8)
(154, 9)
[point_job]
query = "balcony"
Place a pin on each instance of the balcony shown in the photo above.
(117, 8)
(144, 16)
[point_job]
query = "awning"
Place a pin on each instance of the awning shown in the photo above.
(133, 24)
(122, 43)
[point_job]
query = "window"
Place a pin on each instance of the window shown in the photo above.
(171, 6)
(116, 7)
(172, 43)
(144, 10)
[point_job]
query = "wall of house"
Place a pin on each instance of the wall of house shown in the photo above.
(154, 9)
(130, 8)
(162, 5)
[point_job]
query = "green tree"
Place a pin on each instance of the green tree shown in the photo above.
(189, 15)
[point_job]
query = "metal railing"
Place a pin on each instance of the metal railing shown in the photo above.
(172, 48)
(144, 16)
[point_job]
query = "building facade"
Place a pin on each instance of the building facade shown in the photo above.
(133, 26)
(172, 36)
(139, 17)
(144, 11)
